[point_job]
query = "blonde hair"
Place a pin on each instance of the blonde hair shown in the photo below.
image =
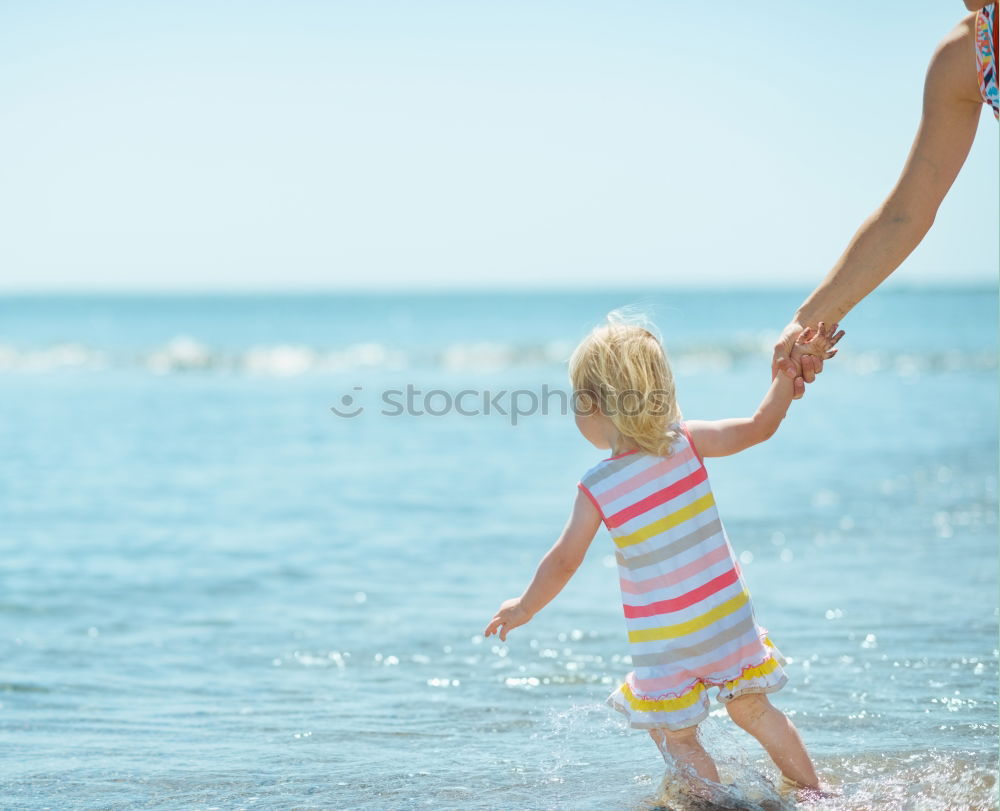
(621, 369)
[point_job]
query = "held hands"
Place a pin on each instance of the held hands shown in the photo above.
(816, 343)
(800, 352)
(510, 616)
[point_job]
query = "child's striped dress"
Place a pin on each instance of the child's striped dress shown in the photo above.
(690, 621)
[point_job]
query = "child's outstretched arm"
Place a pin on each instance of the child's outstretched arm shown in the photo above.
(725, 437)
(554, 572)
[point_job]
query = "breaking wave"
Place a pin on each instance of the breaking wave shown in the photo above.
(186, 355)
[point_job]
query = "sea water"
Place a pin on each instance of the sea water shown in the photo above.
(218, 593)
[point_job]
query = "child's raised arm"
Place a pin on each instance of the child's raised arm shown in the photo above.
(554, 572)
(725, 437)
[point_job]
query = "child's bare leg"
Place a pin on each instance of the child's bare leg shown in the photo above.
(685, 748)
(776, 733)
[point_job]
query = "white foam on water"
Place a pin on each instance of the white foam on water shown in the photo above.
(57, 357)
(932, 780)
(186, 354)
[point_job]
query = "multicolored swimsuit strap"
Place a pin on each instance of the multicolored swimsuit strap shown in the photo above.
(986, 55)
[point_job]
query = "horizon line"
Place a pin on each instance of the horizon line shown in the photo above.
(898, 286)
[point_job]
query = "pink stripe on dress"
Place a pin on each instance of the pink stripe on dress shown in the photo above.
(646, 476)
(648, 686)
(720, 552)
(678, 488)
(714, 585)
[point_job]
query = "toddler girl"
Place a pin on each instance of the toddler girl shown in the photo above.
(690, 622)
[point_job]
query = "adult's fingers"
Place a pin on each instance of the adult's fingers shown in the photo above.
(798, 388)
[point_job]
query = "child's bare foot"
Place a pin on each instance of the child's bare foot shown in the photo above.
(790, 789)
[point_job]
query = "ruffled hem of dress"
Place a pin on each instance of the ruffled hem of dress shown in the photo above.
(629, 714)
(774, 654)
(744, 691)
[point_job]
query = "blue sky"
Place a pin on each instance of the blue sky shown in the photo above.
(209, 145)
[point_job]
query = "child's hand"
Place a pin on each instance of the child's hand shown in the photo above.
(510, 616)
(817, 344)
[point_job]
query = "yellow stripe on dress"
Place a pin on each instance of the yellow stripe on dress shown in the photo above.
(692, 625)
(667, 522)
(754, 673)
(689, 699)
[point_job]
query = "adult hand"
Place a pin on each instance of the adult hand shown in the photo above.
(790, 357)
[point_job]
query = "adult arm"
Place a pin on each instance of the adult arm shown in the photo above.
(951, 108)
